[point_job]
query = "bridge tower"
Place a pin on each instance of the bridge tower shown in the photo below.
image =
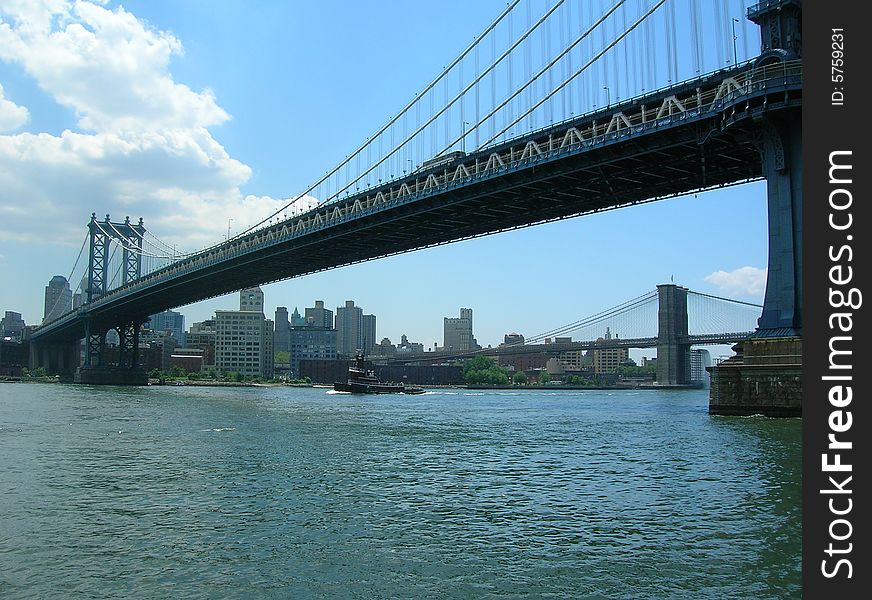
(780, 147)
(127, 371)
(673, 351)
(765, 376)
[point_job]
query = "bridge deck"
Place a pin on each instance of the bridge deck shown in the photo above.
(694, 136)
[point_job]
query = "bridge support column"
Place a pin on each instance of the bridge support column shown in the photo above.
(765, 376)
(782, 167)
(126, 372)
(673, 352)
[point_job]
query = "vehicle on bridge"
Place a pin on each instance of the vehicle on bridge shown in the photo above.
(442, 160)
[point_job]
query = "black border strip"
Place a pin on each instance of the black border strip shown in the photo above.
(835, 111)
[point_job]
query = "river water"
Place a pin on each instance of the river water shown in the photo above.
(187, 492)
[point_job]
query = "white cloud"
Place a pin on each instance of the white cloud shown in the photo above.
(142, 147)
(744, 281)
(12, 116)
(108, 66)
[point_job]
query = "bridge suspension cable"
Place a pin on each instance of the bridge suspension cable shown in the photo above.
(576, 74)
(445, 108)
(69, 278)
(393, 120)
(536, 71)
(595, 324)
(709, 314)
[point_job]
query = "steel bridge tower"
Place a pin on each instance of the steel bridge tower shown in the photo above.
(765, 376)
(127, 370)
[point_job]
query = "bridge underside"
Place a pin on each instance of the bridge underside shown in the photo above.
(675, 162)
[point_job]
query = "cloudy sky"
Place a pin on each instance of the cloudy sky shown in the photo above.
(201, 115)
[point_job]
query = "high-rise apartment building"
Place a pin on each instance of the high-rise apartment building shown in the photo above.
(311, 342)
(171, 321)
(368, 333)
(318, 315)
(267, 360)
(58, 298)
(349, 329)
(283, 328)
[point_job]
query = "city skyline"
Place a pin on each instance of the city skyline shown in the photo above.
(247, 110)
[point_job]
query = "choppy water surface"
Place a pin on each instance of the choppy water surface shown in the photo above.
(284, 492)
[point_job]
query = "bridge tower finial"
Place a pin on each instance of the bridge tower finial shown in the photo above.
(780, 24)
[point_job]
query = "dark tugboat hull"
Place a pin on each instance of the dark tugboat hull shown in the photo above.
(364, 381)
(357, 388)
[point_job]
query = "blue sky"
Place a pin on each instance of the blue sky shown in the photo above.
(193, 113)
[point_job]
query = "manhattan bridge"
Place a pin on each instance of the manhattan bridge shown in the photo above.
(556, 109)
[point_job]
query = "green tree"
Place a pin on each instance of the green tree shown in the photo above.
(544, 377)
(483, 371)
(520, 378)
(282, 357)
(634, 371)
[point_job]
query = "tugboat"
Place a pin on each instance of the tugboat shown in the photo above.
(364, 381)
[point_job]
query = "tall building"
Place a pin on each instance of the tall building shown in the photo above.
(311, 342)
(297, 320)
(318, 315)
(251, 299)
(605, 359)
(368, 334)
(171, 321)
(457, 332)
(58, 298)
(700, 358)
(267, 360)
(244, 338)
(281, 342)
(201, 336)
(12, 326)
(349, 329)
